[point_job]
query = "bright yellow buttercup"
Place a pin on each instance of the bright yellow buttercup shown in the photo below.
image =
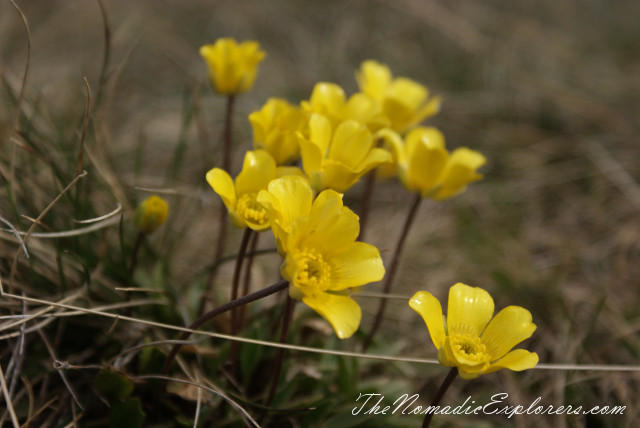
(232, 66)
(425, 165)
(151, 214)
(274, 129)
(336, 159)
(405, 102)
(329, 100)
(471, 338)
(239, 197)
(323, 261)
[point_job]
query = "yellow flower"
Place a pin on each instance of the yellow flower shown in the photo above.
(405, 102)
(258, 170)
(329, 100)
(469, 338)
(323, 260)
(425, 165)
(151, 214)
(232, 66)
(337, 159)
(275, 127)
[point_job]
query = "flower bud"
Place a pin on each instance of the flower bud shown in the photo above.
(151, 214)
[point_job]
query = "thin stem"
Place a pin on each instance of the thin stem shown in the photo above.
(436, 400)
(226, 138)
(222, 218)
(277, 365)
(392, 270)
(134, 253)
(365, 206)
(235, 285)
(272, 289)
(247, 276)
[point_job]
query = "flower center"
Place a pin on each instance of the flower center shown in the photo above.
(470, 347)
(251, 210)
(313, 271)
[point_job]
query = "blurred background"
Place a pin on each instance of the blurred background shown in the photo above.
(548, 91)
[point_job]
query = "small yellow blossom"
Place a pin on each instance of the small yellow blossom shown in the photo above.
(471, 338)
(405, 102)
(425, 165)
(258, 170)
(336, 159)
(274, 129)
(151, 214)
(329, 100)
(232, 66)
(322, 258)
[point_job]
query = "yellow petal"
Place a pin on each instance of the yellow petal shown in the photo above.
(409, 92)
(374, 158)
(430, 310)
(469, 310)
(258, 170)
(374, 79)
(338, 176)
(391, 142)
(509, 327)
(332, 234)
(326, 98)
(286, 199)
(360, 264)
(427, 159)
(351, 143)
(311, 155)
(223, 185)
(516, 360)
(342, 312)
(459, 172)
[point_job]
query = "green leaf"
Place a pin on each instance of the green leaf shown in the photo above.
(126, 414)
(112, 385)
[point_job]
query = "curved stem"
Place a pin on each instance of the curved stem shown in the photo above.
(272, 289)
(392, 270)
(436, 400)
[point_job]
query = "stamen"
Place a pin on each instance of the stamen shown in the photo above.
(251, 210)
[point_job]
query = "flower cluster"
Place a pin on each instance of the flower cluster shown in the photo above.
(306, 156)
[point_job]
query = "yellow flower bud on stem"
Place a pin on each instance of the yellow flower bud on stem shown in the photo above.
(149, 216)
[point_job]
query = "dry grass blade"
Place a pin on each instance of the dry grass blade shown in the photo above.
(118, 210)
(7, 399)
(37, 220)
(17, 235)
